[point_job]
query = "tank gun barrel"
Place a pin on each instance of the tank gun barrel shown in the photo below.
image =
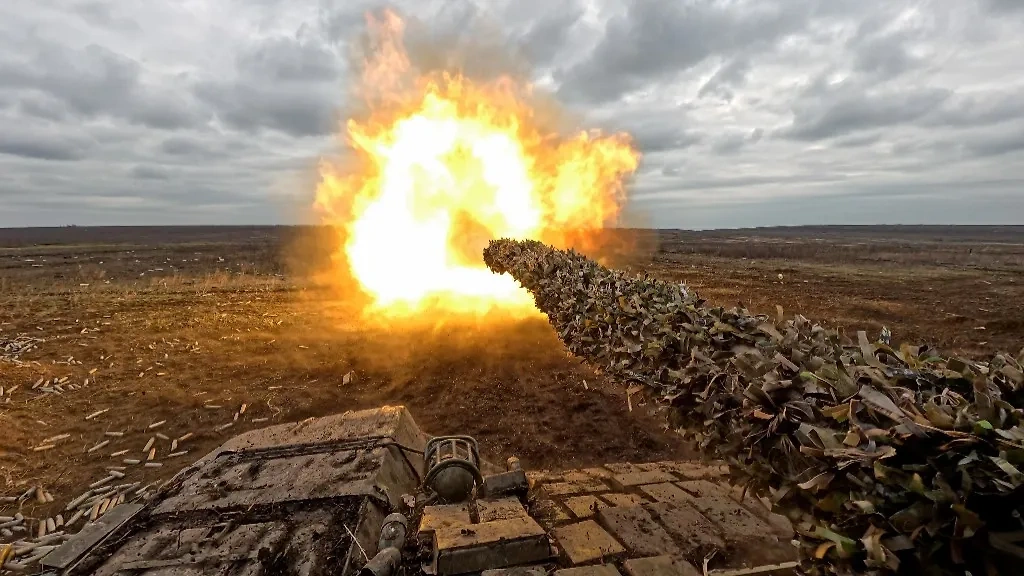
(888, 459)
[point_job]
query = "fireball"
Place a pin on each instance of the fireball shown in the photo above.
(441, 164)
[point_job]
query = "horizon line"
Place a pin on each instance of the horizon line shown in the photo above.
(776, 226)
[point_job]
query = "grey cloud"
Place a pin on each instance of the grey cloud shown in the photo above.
(41, 146)
(285, 83)
(818, 190)
(966, 110)
(183, 146)
(143, 172)
(885, 35)
(656, 41)
(884, 55)
(43, 106)
(671, 188)
(165, 112)
(858, 140)
(155, 185)
(338, 23)
(728, 76)
(1000, 145)
(102, 14)
(447, 18)
(1005, 6)
(480, 44)
(251, 106)
(651, 139)
(938, 205)
(486, 39)
(214, 146)
(830, 113)
(290, 59)
(546, 37)
(91, 80)
(95, 81)
(729, 144)
(656, 130)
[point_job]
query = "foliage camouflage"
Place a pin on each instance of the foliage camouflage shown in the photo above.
(887, 459)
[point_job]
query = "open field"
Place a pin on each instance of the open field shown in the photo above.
(956, 288)
(157, 333)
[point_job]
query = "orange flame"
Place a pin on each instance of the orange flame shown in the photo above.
(443, 165)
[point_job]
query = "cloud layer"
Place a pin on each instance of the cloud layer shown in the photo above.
(748, 112)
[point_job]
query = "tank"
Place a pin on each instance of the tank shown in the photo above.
(369, 493)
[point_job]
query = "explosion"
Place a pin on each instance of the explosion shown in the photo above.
(442, 164)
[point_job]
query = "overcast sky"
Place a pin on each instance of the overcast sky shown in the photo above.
(747, 112)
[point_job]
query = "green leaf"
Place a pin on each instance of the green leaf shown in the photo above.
(917, 484)
(847, 544)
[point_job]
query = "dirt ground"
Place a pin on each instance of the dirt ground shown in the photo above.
(162, 332)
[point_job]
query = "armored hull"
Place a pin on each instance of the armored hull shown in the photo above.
(310, 498)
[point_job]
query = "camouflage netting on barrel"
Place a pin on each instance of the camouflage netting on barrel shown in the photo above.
(888, 459)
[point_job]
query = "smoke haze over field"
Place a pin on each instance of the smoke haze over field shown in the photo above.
(747, 112)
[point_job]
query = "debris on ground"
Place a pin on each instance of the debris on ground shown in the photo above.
(11, 349)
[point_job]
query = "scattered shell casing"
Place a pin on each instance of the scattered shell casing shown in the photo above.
(74, 517)
(97, 413)
(98, 446)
